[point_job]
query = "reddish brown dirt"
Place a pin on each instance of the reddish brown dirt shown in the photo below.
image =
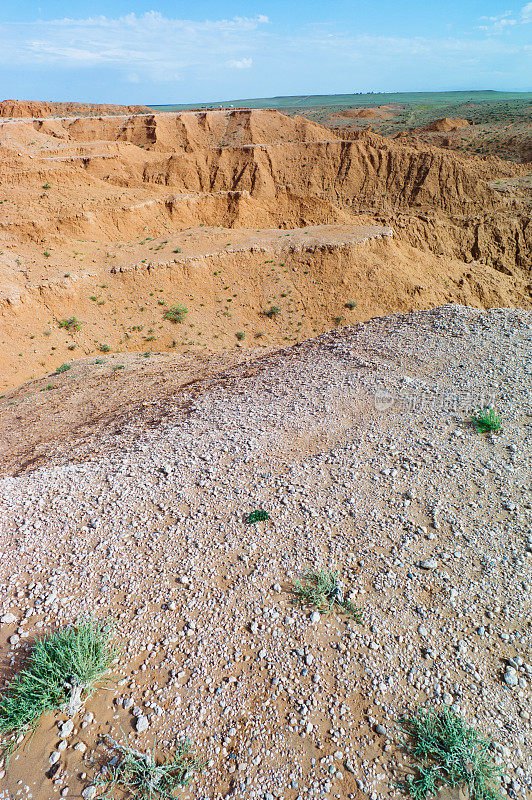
(446, 124)
(113, 220)
(32, 108)
(379, 112)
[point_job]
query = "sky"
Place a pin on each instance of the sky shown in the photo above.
(129, 51)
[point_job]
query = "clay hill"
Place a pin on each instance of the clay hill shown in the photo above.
(446, 124)
(32, 108)
(217, 231)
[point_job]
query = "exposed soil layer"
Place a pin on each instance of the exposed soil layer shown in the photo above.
(33, 108)
(111, 221)
(446, 124)
(500, 128)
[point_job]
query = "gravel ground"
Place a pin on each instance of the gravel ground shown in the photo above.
(359, 446)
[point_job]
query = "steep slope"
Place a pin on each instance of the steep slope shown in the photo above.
(176, 196)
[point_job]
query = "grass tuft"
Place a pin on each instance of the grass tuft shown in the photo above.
(72, 324)
(62, 668)
(271, 312)
(259, 515)
(63, 368)
(486, 420)
(450, 754)
(323, 590)
(144, 776)
(176, 313)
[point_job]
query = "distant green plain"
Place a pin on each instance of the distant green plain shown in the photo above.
(291, 104)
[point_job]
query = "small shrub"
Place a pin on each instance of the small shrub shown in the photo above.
(62, 668)
(143, 776)
(175, 313)
(104, 348)
(63, 368)
(272, 312)
(259, 515)
(47, 185)
(487, 419)
(72, 324)
(323, 590)
(450, 754)
(46, 254)
(350, 305)
(240, 335)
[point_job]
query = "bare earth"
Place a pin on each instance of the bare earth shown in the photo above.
(349, 301)
(358, 444)
(113, 220)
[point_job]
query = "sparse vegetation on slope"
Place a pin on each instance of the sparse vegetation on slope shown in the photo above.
(144, 776)
(449, 753)
(487, 420)
(323, 590)
(62, 668)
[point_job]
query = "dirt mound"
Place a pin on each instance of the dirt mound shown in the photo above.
(112, 219)
(379, 112)
(32, 108)
(446, 124)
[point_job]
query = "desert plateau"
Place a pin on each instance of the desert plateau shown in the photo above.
(265, 451)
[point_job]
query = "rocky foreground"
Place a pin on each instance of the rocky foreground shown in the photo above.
(360, 447)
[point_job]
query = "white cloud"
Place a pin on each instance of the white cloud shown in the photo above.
(149, 45)
(526, 13)
(501, 22)
(151, 48)
(243, 63)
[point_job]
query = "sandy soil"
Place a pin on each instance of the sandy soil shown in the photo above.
(359, 445)
(132, 447)
(112, 220)
(39, 109)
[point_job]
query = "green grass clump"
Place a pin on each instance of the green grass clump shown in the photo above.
(486, 420)
(176, 313)
(271, 312)
(104, 348)
(322, 589)
(450, 754)
(350, 305)
(62, 668)
(146, 778)
(259, 515)
(240, 335)
(63, 368)
(71, 324)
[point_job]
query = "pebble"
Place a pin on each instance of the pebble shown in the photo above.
(142, 724)
(511, 677)
(430, 564)
(66, 728)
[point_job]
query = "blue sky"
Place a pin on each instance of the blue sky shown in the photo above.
(127, 51)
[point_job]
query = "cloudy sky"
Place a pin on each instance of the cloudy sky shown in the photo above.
(127, 51)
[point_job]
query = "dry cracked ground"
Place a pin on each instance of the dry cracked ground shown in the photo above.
(395, 278)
